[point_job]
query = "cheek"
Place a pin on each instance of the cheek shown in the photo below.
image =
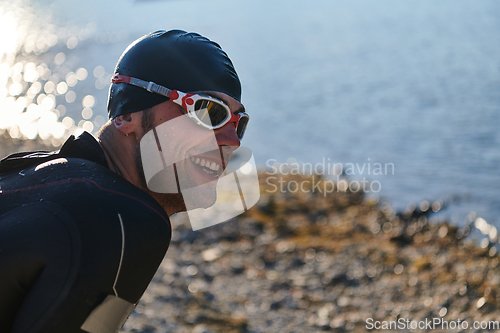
(177, 136)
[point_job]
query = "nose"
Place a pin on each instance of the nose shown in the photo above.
(226, 136)
(227, 140)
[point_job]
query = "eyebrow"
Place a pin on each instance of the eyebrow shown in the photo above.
(240, 110)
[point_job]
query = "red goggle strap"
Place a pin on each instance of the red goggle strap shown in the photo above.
(149, 86)
(183, 99)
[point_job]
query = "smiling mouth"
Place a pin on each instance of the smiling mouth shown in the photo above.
(207, 166)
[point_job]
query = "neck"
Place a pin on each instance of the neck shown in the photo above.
(123, 157)
(119, 153)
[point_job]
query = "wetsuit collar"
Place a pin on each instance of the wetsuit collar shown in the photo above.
(84, 146)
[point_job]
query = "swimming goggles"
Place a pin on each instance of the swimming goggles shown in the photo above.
(205, 110)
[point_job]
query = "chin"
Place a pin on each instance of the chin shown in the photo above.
(208, 202)
(199, 197)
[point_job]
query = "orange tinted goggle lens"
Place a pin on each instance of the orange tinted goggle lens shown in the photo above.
(211, 113)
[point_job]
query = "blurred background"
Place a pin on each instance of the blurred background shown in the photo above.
(413, 83)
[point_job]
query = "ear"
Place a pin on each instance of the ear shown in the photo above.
(128, 123)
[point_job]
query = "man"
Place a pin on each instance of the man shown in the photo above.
(83, 230)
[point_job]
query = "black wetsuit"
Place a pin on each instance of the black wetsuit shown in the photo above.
(78, 243)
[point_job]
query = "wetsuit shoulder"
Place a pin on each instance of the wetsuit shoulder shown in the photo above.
(119, 235)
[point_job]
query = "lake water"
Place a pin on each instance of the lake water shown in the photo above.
(413, 84)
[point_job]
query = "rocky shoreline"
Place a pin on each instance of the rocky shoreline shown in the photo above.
(305, 262)
(308, 262)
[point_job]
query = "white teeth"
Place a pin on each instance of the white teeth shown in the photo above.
(206, 164)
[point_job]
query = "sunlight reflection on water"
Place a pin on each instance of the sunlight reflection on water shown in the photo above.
(40, 80)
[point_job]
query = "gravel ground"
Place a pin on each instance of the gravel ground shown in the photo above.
(308, 263)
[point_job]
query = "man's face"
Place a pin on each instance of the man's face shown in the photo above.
(195, 155)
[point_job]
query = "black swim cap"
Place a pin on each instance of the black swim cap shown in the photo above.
(174, 59)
